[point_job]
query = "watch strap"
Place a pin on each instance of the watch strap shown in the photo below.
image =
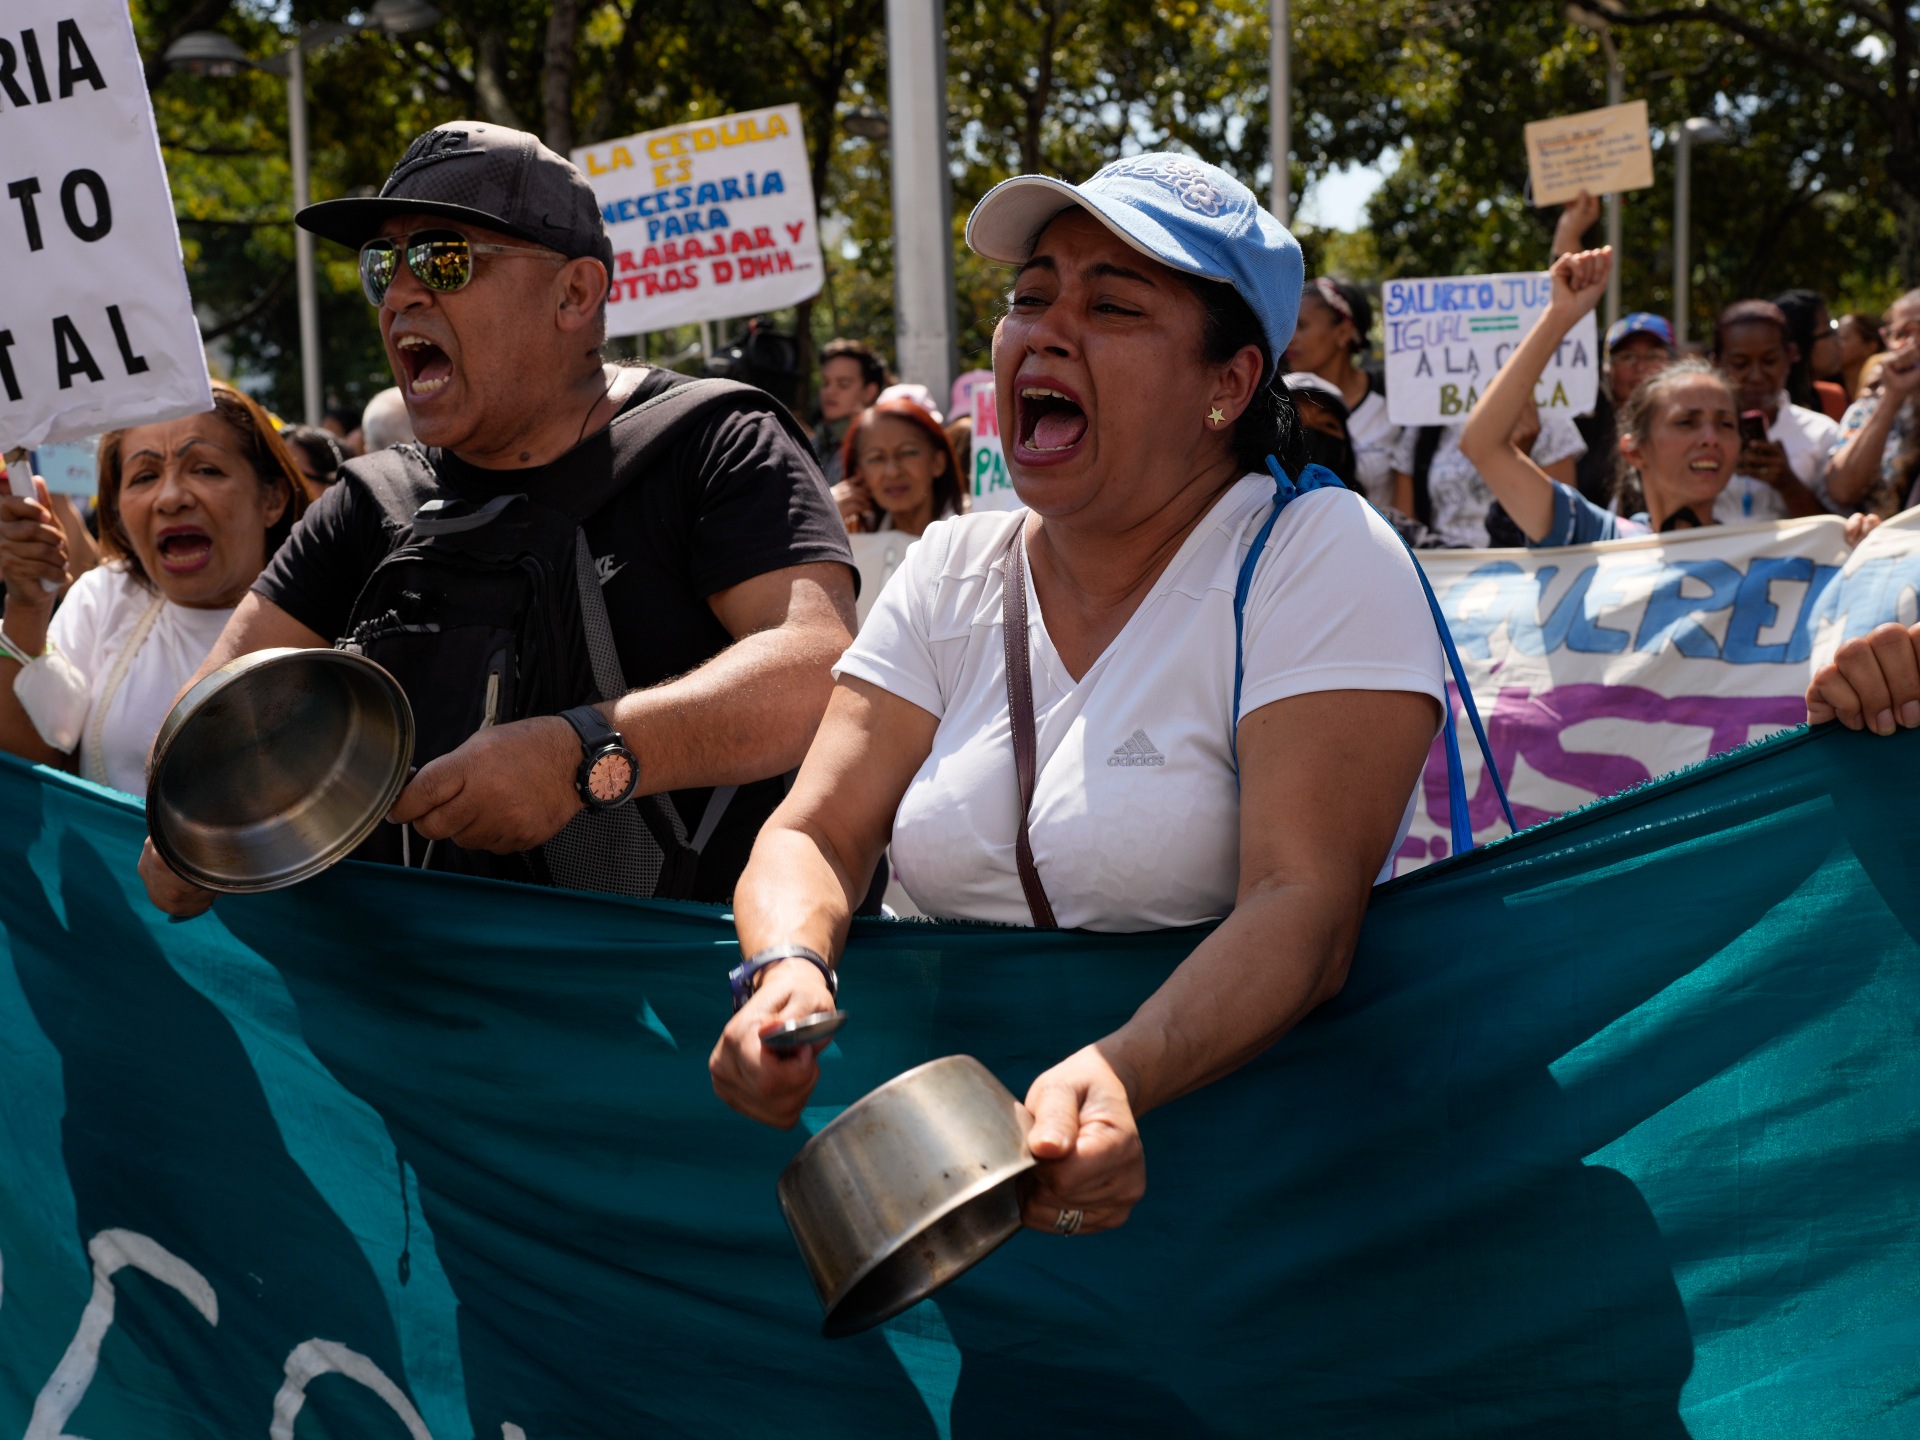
(591, 726)
(740, 978)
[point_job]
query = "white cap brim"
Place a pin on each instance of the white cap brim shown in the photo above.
(1009, 219)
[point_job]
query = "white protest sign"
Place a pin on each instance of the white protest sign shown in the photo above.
(710, 219)
(96, 325)
(1599, 151)
(1447, 337)
(991, 485)
(1598, 667)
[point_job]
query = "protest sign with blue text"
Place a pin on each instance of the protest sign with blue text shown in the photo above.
(1597, 667)
(1445, 338)
(96, 324)
(710, 219)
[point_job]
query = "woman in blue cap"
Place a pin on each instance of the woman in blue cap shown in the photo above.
(1146, 752)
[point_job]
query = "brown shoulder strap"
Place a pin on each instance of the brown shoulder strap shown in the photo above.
(1013, 617)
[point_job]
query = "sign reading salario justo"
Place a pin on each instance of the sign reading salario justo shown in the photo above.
(710, 219)
(1446, 338)
(96, 324)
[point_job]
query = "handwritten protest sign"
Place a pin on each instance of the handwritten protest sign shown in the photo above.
(1447, 337)
(1598, 667)
(709, 220)
(1599, 151)
(96, 325)
(992, 486)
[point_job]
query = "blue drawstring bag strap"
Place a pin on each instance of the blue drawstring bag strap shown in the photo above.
(1286, 490)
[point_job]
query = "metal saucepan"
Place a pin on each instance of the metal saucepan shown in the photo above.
(908, 1187)
(275, 766)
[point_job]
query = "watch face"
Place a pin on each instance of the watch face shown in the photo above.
(610, 778)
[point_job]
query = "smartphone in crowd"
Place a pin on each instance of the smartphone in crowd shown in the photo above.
(1753, 427)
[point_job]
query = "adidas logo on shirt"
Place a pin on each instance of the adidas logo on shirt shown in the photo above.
(1137, 749)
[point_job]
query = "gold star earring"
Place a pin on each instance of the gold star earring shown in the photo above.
(1216, 416)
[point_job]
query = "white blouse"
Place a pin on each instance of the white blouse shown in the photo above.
(1136, 813)
(108, 617)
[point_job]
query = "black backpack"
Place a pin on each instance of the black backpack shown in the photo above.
(489, 611)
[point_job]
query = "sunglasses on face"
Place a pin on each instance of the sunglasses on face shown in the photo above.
(441, 260)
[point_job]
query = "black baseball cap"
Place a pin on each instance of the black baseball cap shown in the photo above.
(483, 174)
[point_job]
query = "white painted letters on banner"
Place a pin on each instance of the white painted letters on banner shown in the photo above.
(1445, 338)
(96, 325)
(709, 220)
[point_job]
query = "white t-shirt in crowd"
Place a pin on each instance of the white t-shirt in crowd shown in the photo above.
(93, 625)
(1136, 809)
(1806, 436)
(1460, 497)
(1377, 451)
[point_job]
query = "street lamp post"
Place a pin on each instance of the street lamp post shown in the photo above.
(1695, 130)
(207, 52)
(1280, 102)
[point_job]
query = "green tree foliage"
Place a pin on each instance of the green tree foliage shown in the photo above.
(1817, 187)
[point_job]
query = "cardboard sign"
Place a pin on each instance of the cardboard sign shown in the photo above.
(709, 220)
(1445, 338)
(991, 484)
(96, 325)
(1599, 151)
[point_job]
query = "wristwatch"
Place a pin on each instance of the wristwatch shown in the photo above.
(608, 772)
(740, 978)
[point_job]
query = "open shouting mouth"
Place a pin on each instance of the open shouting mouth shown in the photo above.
(184, 549)
(428, 367)
(1051, 422)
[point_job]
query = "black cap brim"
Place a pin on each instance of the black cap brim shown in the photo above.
(354, 221)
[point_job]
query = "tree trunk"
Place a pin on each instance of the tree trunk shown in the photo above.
(556, 76)
(1041, 95)
(489, 61)
(619, 80)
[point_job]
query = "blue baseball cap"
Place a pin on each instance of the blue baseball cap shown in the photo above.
(1639, 323)
(1188, 215)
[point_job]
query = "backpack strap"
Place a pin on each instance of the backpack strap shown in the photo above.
(639, 435)
(1286, 490)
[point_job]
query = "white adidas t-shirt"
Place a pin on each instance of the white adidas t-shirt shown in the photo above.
(1136, 812)
(94, 624)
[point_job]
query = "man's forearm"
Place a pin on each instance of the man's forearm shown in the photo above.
(747, 714)
(1851, 473)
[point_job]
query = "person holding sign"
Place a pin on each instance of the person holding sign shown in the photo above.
(190, 512)
(1679, 431)
(1679, 434)
(1165, 693)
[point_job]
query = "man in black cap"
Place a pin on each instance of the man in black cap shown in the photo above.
(612, 597)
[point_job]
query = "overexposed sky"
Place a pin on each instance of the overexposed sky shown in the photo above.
(1338, 200)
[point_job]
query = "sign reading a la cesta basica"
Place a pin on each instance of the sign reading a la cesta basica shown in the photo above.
(710, 219)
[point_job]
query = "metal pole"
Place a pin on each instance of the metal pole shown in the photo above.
(302, 240)
(1616, 90)
(922, 193)
(1280, 69)
(1682, 218)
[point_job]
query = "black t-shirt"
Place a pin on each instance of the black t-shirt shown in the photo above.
(737, 496)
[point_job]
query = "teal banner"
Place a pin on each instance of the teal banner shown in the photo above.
(1614, 1132)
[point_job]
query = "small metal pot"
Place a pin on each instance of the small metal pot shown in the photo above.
(275, 766)
(908, 1187)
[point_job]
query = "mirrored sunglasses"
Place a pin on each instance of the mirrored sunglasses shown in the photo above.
(441, 260)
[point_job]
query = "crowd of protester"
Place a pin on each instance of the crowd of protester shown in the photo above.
(1293, 672)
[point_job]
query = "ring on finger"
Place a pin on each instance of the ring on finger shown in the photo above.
(1068, 1222)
